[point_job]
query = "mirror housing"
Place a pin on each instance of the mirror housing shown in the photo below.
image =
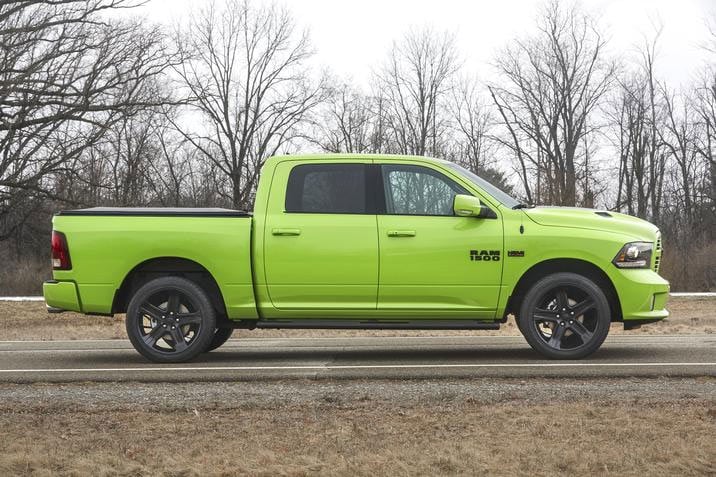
(469, 206)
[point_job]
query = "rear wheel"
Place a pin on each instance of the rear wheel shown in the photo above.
(565, 316)
(221, 336)
(170, 320)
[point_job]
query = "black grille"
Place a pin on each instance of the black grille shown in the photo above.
(657, 253)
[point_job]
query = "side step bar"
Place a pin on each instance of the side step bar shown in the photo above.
(357, 324)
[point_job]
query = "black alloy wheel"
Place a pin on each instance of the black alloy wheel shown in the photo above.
(565, 316)
(170, 320)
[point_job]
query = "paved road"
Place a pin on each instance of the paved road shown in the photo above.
(354, 357)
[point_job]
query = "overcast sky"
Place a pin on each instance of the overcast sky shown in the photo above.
(352, 37)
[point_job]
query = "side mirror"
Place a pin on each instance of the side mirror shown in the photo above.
(469, 206)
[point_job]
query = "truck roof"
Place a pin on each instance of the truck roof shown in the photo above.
(351, 155)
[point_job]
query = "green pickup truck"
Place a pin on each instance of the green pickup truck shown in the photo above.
(364, 242)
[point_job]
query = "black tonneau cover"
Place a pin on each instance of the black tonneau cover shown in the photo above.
(156, 212)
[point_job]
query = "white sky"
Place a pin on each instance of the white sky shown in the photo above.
(352, 37)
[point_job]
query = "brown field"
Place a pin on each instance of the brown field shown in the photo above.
(563, 438)
(30, 321)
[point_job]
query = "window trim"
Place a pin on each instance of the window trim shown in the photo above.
(433, 172)
(375, 193)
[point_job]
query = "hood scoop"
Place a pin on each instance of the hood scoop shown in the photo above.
(603, 213)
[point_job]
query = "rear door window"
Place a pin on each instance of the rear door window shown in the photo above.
(328, 189)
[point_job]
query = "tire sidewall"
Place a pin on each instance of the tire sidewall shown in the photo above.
(220, 337)
(544, 285)
(206, 332)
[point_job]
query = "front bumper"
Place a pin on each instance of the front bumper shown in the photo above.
(61, 296)
(643, 295)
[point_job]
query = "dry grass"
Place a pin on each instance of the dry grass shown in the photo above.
(23, 277)
(30, 321)
(690, 266)
(471, 438)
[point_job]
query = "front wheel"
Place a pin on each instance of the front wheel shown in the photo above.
(170, 320)
(565, 316)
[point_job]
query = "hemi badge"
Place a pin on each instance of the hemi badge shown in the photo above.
(515, 253)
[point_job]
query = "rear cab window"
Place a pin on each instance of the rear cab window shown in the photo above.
(329, 189)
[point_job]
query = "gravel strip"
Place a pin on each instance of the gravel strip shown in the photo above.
(223, 395)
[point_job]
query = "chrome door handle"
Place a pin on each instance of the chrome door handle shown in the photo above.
(401, 233)
(286, 232)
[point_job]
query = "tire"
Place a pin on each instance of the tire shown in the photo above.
(565, 316)
(168, 311)
(221, 336)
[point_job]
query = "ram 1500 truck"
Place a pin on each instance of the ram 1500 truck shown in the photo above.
(359, 241)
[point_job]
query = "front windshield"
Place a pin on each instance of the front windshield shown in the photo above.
(500, 196)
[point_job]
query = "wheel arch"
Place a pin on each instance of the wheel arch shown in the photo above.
(169, 266)
(573, 265)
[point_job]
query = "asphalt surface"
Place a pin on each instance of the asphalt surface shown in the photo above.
(355, 358)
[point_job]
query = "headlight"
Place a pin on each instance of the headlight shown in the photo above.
(634, 255)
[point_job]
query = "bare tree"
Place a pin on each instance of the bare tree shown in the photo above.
(413, 85)
(177, 177)
(705, 107)
(679, 134)
(637, 114)
(550, 85)
(171, 172)
(346, 122)
(66, 76)
(472, 120)
(245, 73)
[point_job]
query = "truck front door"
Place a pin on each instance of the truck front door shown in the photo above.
(320, 236)
(432, 261)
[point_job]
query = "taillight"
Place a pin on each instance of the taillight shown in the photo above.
(60, 252)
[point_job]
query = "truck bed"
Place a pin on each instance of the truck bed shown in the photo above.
(109, 245)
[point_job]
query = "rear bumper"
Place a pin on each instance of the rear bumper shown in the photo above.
(61, 296)
(643, 295)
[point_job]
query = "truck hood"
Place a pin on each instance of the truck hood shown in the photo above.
(593, 219)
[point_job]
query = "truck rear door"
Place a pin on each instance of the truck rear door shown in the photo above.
(320, 236)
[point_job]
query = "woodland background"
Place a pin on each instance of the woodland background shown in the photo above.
(100, 107)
